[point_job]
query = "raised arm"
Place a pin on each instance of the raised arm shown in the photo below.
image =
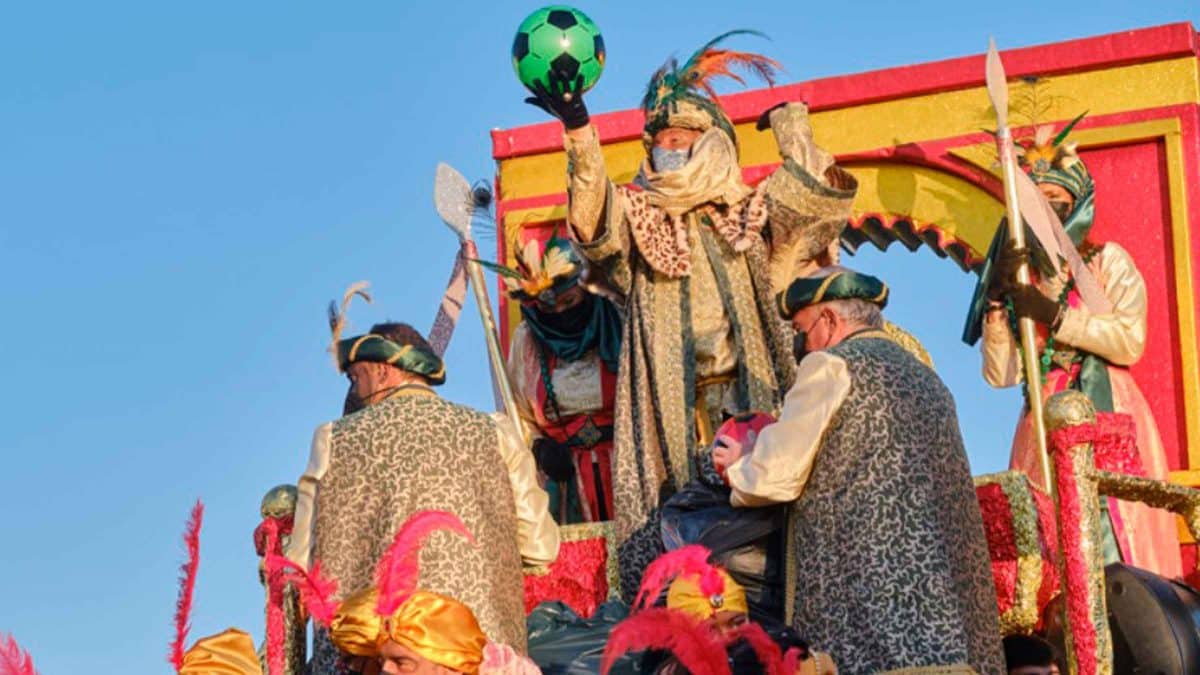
(594, 213)
(808, 197)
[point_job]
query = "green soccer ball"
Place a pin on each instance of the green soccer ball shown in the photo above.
(558, 38)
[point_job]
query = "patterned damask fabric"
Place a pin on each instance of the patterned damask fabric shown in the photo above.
(412, 453)
(655, 442)
(890, 560)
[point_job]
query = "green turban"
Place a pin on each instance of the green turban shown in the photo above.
(840, 285)
(378, 349)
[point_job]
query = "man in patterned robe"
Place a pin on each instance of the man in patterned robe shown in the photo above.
(409, 450)
(887, 557)
(695, 252)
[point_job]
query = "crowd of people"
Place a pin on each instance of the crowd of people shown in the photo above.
(661, 311)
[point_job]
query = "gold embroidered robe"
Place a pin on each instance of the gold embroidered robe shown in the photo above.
(700, 307)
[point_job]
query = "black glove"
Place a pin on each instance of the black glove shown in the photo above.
(1029, 302)
(1004, 277)
(562, 99)
(764, 120)
(554, 459)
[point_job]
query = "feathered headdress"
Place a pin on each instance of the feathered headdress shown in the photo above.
(557, 267)
(689, 560)
(1046, 150)
(187, 584)
(683, 91)
(695, 645)
(398, 571)
(337, 315)
(413, 357)
(13, 659)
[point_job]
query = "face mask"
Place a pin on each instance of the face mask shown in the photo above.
(1061, 209)
(568, 320)
(664, 159)
(800, 345)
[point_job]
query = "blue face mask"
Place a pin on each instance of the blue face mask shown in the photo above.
(664, 159)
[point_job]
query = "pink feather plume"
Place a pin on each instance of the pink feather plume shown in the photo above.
(689, 560)
(316, 591)
(792, 659)
(697, 647)
(764, 647)
(399, 569)
(13, 659)
(187, 584)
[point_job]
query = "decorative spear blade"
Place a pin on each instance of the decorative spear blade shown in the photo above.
(455, 202)
(452, 199)
(997, 84)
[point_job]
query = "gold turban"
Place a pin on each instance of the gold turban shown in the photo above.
(685, 595)
(228, 653)
(356, 627)
(440, 629)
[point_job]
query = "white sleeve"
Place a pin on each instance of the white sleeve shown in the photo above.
(299, 548)
(537, 533)
(778, 467)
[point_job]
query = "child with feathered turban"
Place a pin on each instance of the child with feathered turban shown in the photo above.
(704, 627)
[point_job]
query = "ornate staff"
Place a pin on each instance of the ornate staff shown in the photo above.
(457, 205)
(997, 87)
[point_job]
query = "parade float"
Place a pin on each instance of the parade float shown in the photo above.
(917, 139)
(922, 142)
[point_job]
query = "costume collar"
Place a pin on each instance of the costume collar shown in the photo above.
(711, 175)
(411, 389)
(600, 330)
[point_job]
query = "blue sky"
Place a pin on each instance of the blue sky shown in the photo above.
(183, 186)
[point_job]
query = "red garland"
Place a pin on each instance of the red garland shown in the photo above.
(579, 578)
(1114, 442)
(269, 531)
(1001, 541)
(282, 528)
(1048, 537)
(1116, 445)
(1074, 564)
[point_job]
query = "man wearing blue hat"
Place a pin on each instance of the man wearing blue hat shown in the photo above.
(888, 563)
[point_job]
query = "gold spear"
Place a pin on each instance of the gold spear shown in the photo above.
(997, 87)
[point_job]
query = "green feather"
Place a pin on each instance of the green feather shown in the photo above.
(498, 269)
(1062, 135)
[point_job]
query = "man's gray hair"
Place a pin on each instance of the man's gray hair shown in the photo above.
(853, 310)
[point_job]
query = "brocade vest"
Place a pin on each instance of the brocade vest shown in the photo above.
(889, 563)
(415, 452)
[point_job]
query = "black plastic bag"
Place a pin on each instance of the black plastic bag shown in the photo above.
(748, 543)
